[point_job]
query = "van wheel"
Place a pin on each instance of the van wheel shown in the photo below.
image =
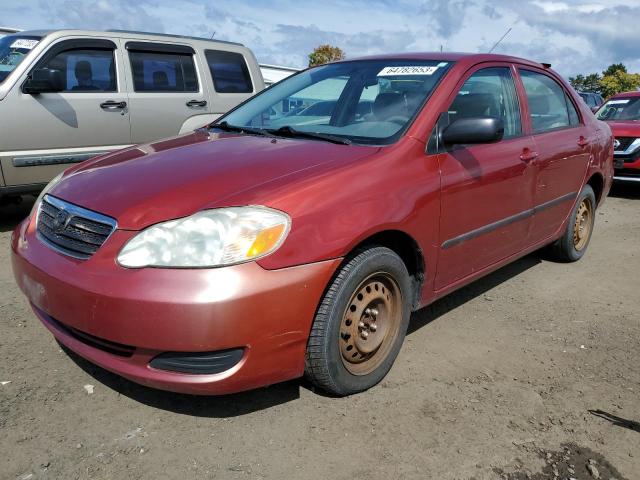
(360, 324)
(573, 243)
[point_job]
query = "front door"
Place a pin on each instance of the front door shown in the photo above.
(55, 129)
(563, 148)
(487, 189)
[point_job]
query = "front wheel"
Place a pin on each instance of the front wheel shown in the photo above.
(574, 241)
(360, 324)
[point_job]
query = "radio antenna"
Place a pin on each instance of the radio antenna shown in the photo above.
(501, 38)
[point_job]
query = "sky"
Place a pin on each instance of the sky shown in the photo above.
(574, 36)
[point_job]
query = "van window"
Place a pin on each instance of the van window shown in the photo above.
(86, 70)
(490, 92)
(547, 102)
(163, 72)
(229, 71)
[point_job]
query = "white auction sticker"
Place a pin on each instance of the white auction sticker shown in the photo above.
(25, 43)
(617, 102)
(409, 70)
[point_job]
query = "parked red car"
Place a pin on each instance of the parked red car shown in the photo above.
(261, 249)
(622, 113)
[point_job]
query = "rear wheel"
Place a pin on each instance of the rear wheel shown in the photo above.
(360, 324)
(575, 240)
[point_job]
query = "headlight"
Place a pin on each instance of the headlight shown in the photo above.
(211, 238)
(47, 189)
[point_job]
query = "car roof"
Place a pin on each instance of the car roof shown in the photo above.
(470, 58)
(118, 33)
(626, 94)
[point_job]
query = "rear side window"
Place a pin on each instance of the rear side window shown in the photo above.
(163, 72)
(86, 70)
(549, 107)
(574, 119)
(229, 71)
(490, 92)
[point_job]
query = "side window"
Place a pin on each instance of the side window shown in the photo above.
(548, 103)
(490, 92)
(574, 119)
(229, 72)
(163, 72)
(86, 70)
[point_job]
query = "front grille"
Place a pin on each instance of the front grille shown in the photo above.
(624, 143)
(72, 230)
(100, 343)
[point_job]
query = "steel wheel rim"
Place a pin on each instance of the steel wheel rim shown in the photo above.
(583, 224)
(370, 323)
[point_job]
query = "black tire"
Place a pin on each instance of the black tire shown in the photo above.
(566, 249)
(325, 363)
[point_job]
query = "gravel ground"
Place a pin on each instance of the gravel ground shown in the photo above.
(531, 372)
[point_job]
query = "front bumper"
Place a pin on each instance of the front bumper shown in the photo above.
(267, 313)
(627, 168)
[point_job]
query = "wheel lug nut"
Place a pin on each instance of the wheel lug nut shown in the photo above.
(374, 312)
(364, 334)
(361, 324)
(368, 311)
(373, 327)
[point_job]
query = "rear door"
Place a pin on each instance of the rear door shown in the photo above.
(487, 189)
(231, 79)
(166, 89)
(89, 117)
(562, 146)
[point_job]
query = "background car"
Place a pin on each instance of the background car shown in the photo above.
(84, 93)
(622, 113)
(594, 100)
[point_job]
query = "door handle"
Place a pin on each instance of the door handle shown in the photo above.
(528, 155)
(583, 142)
(112, 105)
(197, 103)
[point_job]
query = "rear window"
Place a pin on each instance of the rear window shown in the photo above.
(229, 71)
(163, 72)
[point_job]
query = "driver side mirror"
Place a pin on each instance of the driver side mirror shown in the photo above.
(473, 130)
(44, 80)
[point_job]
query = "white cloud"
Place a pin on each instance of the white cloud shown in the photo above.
(576, 36)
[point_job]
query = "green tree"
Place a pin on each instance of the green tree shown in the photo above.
(619, 81)
(613, 68)
(588, 83)
(325, 54)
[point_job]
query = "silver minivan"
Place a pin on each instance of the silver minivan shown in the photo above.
(68, 95)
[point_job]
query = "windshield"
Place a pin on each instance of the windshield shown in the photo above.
(364, 101)
(13, 49)
(620, 109)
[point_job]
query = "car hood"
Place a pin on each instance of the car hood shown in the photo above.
(625, 129)
(174, 178)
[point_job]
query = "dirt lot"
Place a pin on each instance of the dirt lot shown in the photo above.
(528, 373)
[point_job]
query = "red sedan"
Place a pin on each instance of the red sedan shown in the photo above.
(269, 245)
(622, 113)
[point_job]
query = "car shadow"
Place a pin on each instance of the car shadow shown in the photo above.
(11, 213)
(455, 299)
(221, 406)
(247, 402)
(628, 190)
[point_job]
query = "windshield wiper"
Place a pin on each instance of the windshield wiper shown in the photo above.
(291, 132)
(227, 127)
